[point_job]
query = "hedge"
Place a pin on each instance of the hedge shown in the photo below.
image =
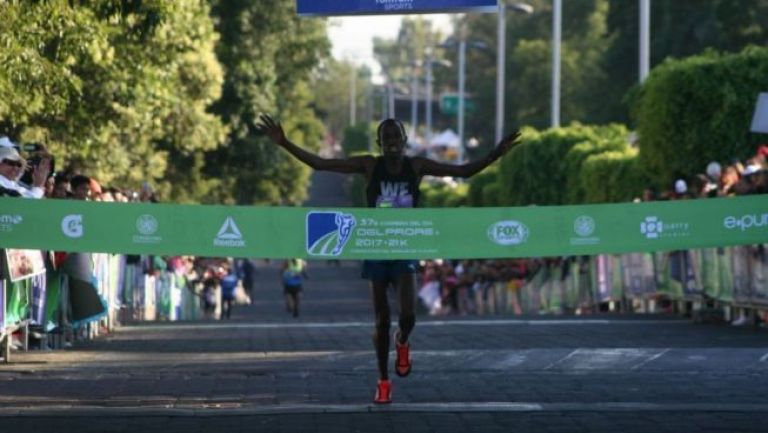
(699, 109)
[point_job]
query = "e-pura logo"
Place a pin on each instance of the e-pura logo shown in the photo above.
(746, 222)
(229, 235)
(7, 222)
(147, 226)
(584, 226)
(328, 232)
(509, 232)
(654, 228)
(72, 226)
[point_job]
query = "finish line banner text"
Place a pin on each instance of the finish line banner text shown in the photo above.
(363, 233)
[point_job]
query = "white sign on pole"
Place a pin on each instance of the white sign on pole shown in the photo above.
(760, 119)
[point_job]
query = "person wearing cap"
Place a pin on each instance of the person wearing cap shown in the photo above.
(681, 189)
(12, 167)
(6, 142)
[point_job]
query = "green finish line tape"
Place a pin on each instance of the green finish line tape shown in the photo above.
(362, 233)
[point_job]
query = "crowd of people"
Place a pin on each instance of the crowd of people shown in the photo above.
(476, 286)
(29, 171)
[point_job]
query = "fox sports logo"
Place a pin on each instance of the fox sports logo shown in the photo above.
(509, 232)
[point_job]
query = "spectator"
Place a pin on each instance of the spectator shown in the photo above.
(81, 187)
(729, 179)
(61, 187)
(12, 166)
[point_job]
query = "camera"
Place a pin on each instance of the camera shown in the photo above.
(32, 147)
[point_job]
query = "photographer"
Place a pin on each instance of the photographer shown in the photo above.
(12, 168)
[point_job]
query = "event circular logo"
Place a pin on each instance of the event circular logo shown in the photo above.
(146, 224)
(584, 225)
(508, 232)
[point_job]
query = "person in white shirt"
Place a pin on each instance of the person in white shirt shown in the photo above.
(12, 166)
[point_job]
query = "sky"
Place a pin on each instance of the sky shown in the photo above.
(352, 37)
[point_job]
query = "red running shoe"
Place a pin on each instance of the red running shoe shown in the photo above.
(383, 392)
(403, 363)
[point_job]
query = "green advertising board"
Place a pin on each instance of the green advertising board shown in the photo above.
(362, 233)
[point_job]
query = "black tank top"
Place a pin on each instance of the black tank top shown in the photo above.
(392, 190)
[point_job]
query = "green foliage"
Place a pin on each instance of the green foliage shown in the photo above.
(443, 195)
(478, 183)
(116, 90)
(678, 29)
(333, 86)
(268, 54)
(539, 170)
(696, 110)
(357, 186)
(606, 139)
(356, 138)
(612, 176)
(491, 194)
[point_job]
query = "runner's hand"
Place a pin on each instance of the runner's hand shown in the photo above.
(271, 128)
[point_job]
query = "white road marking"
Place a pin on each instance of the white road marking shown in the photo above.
(213, 409)
(652, 358)
(764, 358)
(428, 323)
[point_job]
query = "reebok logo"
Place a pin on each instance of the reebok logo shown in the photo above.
(229, 235)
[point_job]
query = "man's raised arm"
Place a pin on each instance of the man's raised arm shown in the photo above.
(272, 129)
(429, 167)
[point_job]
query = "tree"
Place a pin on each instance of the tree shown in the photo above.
(114, 89)
(268, 54)
(332, 87)
(678, 29)
(701, 108)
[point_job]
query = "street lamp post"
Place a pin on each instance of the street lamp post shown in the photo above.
(429, 81)
(501, 57)
(645, 39)
(557, 26)
(461, 109)
(352, 96)
(414, 98)
(460, 120)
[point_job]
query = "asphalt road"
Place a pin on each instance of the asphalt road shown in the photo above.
(266, 371)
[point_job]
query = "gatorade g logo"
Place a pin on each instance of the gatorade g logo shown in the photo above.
(328, 232)
(508, 232)
(72, 226)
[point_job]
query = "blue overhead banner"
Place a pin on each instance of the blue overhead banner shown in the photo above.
(377, 7)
